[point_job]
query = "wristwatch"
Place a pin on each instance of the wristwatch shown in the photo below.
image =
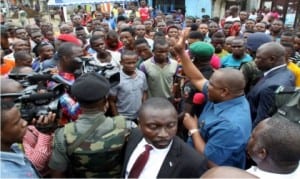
(192, 131)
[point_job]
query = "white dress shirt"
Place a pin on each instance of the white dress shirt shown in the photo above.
(272, 69)
(154, 163)
(267, 175)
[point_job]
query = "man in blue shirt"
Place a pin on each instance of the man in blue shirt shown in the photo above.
(238, 55)
(110, 20)
(225, 123)
(14, 164)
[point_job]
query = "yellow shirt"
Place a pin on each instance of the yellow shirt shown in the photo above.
(296, 71)
(222, 54)
(115, 12)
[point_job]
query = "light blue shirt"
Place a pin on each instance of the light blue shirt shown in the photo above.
(231, 62)
(129, 93)
(111, 22)
(16, 165)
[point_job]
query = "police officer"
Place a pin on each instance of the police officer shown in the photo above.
(90, 147)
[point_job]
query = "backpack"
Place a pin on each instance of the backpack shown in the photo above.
(100, 157)
(287, 103)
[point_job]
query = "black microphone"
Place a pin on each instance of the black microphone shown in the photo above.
(36, 97)
(34, 78)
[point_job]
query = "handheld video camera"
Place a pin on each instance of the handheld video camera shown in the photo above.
(111, 73)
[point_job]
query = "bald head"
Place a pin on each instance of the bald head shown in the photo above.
(273, 48)
(270, 55)
(227, 172)
(232, 79)
(11, 86)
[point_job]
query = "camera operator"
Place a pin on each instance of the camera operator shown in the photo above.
(67, 65)
(36, 145)
(92, 146)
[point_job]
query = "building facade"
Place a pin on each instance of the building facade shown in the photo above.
(289, 10)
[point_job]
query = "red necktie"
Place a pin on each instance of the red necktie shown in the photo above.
(140, 163)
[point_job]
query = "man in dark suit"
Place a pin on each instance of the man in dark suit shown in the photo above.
(270, 59)
(169, 156)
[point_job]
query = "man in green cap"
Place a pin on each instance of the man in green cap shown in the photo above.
(201, 53)
(92, 146)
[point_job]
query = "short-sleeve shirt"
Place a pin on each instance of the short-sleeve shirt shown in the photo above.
(226, 128)
(230, 61)
(129, 93)
(160, 80)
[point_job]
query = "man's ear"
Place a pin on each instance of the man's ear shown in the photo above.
(273, 58)
(262, 154)
(225, 92)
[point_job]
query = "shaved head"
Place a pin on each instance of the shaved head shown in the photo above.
(231, 78)
(227, 172)
(273, 48)
(11, 86)
(270, 55)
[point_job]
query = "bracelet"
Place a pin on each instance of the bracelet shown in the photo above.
(192, 131)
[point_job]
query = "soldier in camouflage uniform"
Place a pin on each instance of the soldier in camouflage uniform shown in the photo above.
(91, 147)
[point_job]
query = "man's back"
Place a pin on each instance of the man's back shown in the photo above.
(261, 96)
(98, 155)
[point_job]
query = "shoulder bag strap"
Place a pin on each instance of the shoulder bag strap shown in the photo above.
(73, 146)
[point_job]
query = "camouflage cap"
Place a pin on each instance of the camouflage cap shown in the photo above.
(90, 87)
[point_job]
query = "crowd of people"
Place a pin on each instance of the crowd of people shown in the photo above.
(193, 97)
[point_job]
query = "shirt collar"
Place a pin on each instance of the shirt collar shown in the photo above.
(153, 61)
(16, 156)
(272, 69)
(125, 75)
(144, 142)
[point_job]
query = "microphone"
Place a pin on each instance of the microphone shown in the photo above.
(34, 78)
(199, 98)
(36, 97)
(198, 101)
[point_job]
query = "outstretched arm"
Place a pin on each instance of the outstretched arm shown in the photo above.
(189, 68)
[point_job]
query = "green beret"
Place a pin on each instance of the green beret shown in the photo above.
(90, 88)
(202, 49)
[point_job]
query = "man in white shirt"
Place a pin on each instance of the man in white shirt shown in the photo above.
(275, 148)
(103, 56)
(170, 157)
(234, 15)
